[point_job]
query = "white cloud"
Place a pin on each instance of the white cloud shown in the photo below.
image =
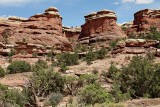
(15, 2)
(116, 3)
(125, 1)
(138, 1)
(144, 1)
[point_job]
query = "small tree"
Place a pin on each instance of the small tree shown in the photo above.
(72, 84)
(42, 84)
(138, 78)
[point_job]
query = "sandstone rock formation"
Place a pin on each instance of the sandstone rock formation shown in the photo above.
(72, 33)
(43, 29)
(136, 46)
(144, 19)
(100, 27)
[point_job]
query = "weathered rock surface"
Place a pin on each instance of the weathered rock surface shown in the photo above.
(72, 33)
(144, 19)
(136, 46)
(100, 27)
(127, 24)
(43, 29)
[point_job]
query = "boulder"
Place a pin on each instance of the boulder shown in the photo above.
(158, 52)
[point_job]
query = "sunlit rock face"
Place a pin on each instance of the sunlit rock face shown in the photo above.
(100, 27)
(44, 29)
(144, 19)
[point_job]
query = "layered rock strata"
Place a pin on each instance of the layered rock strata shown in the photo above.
(144, 19)
(72, 33)
(100, 27)
(136, 46)
(43, 29)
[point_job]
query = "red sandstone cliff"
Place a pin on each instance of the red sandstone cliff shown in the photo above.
(100, 26)
(72, 33)
(145, 19)
(44, 29)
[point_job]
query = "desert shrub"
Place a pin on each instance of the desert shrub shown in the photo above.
(80, 48)
(150, 55)
(112, 72)
(91, 56)
(95, 71)
(42, 84)
(139, 78)
(63, 67)
(2, 72)
(101, 53)
(87, 79)
(19, 67)
(123, 28)
(11, 98)
(117, 93)
(34, 54)
(55, 99)
(41, 64)
(113, 44)
(93, 94)
(68, 59)
(154, 34)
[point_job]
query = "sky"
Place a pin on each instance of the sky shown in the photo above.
(73, 11)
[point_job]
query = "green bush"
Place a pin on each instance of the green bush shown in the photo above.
(68, 59)
(154, 34)
(138, 79)
(11, 98)
(101, 53)
(87, 79)
(91, 56)
(123, 28)
(55, 99)
(34, 55)
(19, 67)
(41, 63)
(93, 94)
(42, 84)
(113, 44)
(2, 72)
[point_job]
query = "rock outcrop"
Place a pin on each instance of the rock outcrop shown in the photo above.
(100, 27)
(43, 29)
(144, 19)
(72, 33)
(136, 46)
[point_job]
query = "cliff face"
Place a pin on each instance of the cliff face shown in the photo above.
(100, 26)
(44, 29)
(72, 33)
(146, 18)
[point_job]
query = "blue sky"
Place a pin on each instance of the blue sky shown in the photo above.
(73, 11)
